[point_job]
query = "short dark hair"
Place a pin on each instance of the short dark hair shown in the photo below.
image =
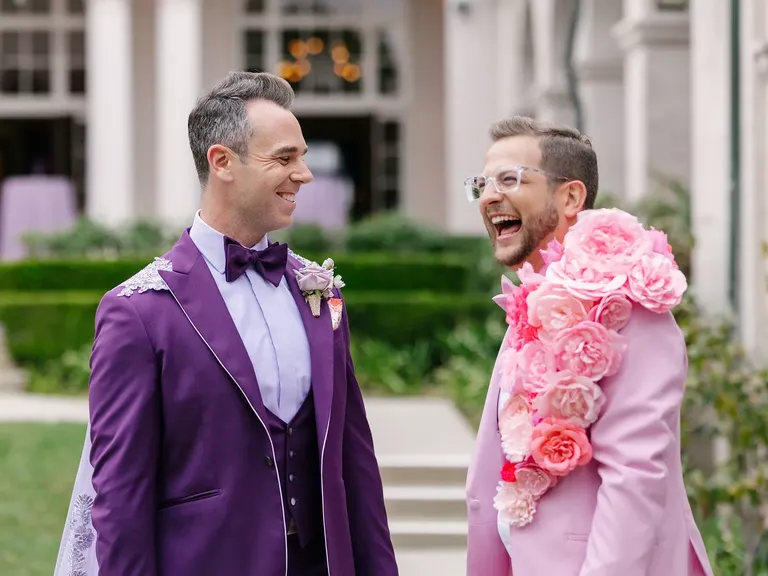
(220, 116)
(565, 151)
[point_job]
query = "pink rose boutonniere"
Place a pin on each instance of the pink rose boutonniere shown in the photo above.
(564, 340)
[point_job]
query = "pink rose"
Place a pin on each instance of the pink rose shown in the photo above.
(599, 251)
(559, 446)
(570, 397)
(552, 308)
(515, 506)
(656, 283)
(534, 362)
(660, 244)
(589, 350)
(517, 317)
(533, 480)
(613, 311)
(552, 254)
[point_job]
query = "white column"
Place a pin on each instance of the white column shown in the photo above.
(473, 100)
(550, 20)
(178, 85)
(711, 144)
(657, 95)
(110, 166)
(754, 181)
(600, 69)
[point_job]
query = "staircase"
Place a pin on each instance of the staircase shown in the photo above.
(423, 448)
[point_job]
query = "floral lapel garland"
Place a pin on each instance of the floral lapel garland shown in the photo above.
(564, 339)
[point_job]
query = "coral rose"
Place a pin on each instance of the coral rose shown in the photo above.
(533, 480)
(656, 283)
(588, 349)
(559, 446)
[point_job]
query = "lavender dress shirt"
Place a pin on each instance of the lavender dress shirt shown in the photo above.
(268, 322)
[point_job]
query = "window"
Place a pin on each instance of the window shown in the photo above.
(388, 75)
(254, 51)
(76, 45)
(322, 7)
(76, 6)
(254, 6)
(388, 185)
(25, 62)
(25, 6)
(322, 62)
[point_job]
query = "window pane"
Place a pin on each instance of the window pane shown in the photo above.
(40, 43)
(254, 6)
(254, 51)
(76, 73)
(388, 73)
(322, 61)
(9, 81)
(323, 7)
(26, 7)
(76, 6)
(9, 44)
(41, 81)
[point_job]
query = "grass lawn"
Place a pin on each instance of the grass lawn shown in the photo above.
(37, 469)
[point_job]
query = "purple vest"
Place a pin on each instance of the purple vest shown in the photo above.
(298, 464)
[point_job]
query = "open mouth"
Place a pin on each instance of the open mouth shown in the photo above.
(288, 197)
(506, 226)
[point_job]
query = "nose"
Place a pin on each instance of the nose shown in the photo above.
(303, 175)
(488, 195)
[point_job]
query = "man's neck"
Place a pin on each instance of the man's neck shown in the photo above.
(231, 227)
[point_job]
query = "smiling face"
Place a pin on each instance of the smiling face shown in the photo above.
(520, 223)
(254, 193)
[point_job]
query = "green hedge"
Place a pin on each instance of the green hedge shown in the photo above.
(361, 272)
(42, 326)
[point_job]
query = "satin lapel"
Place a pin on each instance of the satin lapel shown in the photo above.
(196, 292)
(320, 336)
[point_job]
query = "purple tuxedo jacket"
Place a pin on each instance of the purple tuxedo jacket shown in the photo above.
(180, 444)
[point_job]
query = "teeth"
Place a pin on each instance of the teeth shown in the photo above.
(287, 196)
(499, 218)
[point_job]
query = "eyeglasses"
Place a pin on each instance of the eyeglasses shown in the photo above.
(507, 181)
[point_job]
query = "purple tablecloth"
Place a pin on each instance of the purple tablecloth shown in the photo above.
(43, 204)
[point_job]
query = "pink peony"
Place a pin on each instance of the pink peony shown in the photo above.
(529, 277)
(656, 283)
(521, 331)
(552, 308)
(559, 446)
(570, 397)
(589, 350)
(515, 506)
(515, 430)
(534, 362)
(533, 480)
(599, 251)
(660, 244)
(553, 253)
(613, 311)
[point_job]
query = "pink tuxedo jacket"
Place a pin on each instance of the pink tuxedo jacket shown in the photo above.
(626, 512)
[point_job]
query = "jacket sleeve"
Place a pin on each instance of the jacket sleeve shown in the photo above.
(125, 423)
(634, 439)
(371, 541)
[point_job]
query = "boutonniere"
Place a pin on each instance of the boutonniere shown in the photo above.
(317, 282)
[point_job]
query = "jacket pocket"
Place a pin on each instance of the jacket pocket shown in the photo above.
(187, 499)
(577, 537)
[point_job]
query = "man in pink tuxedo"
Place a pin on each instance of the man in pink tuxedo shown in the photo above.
(621, 510)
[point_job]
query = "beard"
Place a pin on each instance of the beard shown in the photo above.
(535, 230)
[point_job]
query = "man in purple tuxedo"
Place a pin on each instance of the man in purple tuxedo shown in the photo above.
(228, 434)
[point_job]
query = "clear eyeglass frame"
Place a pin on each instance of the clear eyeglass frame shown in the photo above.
(507, 181)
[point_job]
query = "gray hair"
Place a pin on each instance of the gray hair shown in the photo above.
(565, 151)
(220, 116)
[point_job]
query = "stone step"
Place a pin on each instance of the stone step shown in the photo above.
(420, 470)
(425, 534)
(431, 503)
(432, 561)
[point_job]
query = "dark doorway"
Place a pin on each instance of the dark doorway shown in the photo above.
(354, 136)
(50, 146)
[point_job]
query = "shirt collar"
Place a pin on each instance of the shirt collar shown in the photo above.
(210, 242)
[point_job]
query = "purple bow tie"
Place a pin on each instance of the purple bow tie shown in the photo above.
(270, 262)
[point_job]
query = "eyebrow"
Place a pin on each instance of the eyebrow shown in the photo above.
(288, 150)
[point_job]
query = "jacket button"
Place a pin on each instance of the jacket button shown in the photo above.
(290, 454)
(290, 477)
(293, 501)
(268, 461)
(290, 431)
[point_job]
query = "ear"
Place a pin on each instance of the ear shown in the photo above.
(220, 162)
(575, 194)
